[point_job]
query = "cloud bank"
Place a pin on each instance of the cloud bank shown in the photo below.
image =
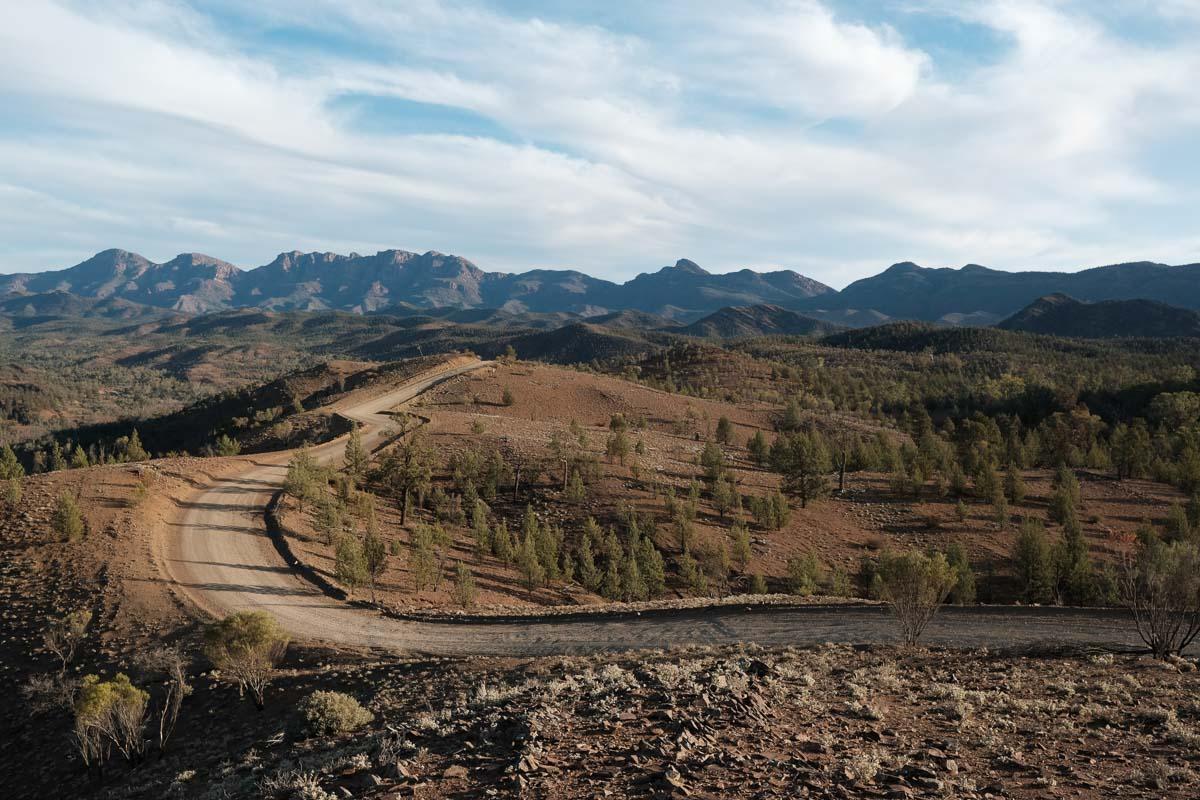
(833, 139)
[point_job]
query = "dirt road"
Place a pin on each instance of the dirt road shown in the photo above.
(218, 553)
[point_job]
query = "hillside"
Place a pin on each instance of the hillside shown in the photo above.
(1060, 315)
(760, 320)
(909, 291)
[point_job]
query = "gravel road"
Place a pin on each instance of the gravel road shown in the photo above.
(219, 554)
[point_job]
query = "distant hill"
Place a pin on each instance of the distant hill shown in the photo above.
(1060, 315)
(396, 279)
(633, 320)
(982, 295)
(760, 320)
(572, 344)
(59, 304)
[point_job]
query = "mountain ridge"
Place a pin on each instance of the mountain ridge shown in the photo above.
(400, 280)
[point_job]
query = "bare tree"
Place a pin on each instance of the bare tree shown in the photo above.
(65, 634)
(170, 664)
(1161, 586)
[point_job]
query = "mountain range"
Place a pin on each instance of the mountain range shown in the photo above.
(117, 283)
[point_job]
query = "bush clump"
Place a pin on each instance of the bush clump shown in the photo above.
(327, 713)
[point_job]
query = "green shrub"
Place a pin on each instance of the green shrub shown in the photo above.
(328, 713)
(67, 521)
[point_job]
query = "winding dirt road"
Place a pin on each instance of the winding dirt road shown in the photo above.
(219, 554)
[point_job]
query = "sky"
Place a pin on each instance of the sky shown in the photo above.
(833, 137)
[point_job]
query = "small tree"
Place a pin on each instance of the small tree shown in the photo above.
(1034, 566)
(10, 465)
(576, 492)
(247, 645)
(12, 492)
(914, 585)
(506, 398)
(225, 445)
(757, 445)
(724, 432)
(1161, 586)
(65, 634)
(758, 584)
(375, 557)
(356, 456)
(963, 593)
(67, 521)
(740, 550)
(464, 585)
(803, 461)
(350, 564)
(302, 478)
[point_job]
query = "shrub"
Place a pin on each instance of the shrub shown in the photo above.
(67, 521)
(110, 713)
(64, 635)
(758, 584)
(914, 585)
(803, 574)
(328, 713)
(464, 586)
(1161, 586)
(247, 645)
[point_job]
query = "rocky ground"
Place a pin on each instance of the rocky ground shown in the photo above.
(834, 721)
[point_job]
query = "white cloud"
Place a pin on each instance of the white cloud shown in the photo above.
(693, 130)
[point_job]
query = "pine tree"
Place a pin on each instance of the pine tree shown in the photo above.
(356, 457)
(633, 587)
(576, 492)
(741, 551)
(350, 565)
(1031, 552)
(79, 458)
(724, 431)
(589, 576)
(10, 465)
(530, 565)
(464, 585)
(610, 584)
(375, 556)
(1014, 485)
(67, 521)
(757, 445)
(479, 528)
(502, 544)
(650, 564)
(963, 592)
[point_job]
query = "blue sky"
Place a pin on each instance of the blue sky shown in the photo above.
(833, 137)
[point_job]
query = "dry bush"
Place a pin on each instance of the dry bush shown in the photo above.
(171, 664)
(110, 713)
(65, 634)
(1161, 586)
(914, 585)
(247, 646)
(327, 713)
